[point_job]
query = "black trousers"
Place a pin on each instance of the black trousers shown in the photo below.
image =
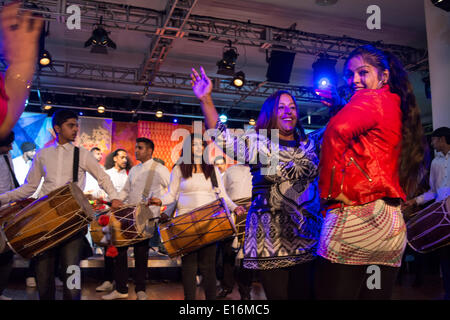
(140, 267)
(69, 254)
(203, 260)
(290, 283)
(6, 264)
(231, 274)
(335, 281)
(108, 271)
(444, 254)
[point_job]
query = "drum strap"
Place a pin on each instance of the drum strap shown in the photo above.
(76, 162)
(149, 181)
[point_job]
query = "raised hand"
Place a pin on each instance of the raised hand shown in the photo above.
(239, 210)
(154, 202)
(21, 35)
(201, 84)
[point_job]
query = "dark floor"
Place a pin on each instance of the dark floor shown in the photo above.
(164, 281)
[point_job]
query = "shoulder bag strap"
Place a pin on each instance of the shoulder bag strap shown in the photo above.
(76, 162)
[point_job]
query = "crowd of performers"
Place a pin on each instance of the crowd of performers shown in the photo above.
(329, 208)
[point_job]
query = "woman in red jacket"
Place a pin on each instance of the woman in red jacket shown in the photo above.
(371, 153)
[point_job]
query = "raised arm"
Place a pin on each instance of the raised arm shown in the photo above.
(20, 43)
(202, 87)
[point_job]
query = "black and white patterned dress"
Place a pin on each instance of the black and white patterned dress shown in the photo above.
(284, 223)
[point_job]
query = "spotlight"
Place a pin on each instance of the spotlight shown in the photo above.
(223, 118)
(101, 109)
(45, 59)
(100, 40)
(443, 4)
(175, 120)
(252, 122)
(324, 72)
(238, 79)
(159, 114)
(47, 107)
(227, 63)
(80, 113)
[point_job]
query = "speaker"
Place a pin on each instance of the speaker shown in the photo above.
(443, 4)
(280, 66)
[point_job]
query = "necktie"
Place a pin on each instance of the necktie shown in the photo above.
(16, 183)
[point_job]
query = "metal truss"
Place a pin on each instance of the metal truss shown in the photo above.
(178, 22)
(171, 80)
(177, 13)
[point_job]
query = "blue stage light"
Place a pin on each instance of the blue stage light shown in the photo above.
(175, 120)
(223, 118)
(324, 72)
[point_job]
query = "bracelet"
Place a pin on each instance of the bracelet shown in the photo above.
(19, 77)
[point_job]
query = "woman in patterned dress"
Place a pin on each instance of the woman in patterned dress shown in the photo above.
(371, 154)
(283, 222)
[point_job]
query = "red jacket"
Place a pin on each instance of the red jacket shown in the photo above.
(361, 149)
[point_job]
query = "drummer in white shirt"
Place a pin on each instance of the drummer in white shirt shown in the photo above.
(133, 193)
(191, 186)
(237, 180)
(439, 191)
(116, 164)
(55, 164)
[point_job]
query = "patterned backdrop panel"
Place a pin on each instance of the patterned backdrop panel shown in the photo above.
(95, 132)
(124, 136)
(167, 138)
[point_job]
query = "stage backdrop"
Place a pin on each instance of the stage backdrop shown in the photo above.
(109, 136)
(32, 127)
(95, 132)
(167, 138)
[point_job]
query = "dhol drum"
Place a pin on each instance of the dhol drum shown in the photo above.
(6, 214)
(429, 228)
(48, 221)
(196, 229)
(126, 226)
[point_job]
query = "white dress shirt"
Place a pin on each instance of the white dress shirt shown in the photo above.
(238, 182)
(21, 168)
(132, 192)
(439, 179)
(55, 165)
(193, 192)
(118, 178)
(6, 180)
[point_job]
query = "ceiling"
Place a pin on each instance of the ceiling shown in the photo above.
(119, 81)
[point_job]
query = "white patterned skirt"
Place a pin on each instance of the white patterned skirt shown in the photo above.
(374, 233)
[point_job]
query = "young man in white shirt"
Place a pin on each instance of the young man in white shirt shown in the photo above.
(55, 165)
(439, 191)
(133, 193)
(237, 180)
(91, 187)
(118, 161)
(22, 164)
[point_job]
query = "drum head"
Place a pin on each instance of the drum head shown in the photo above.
(142, 216)
(82, 200)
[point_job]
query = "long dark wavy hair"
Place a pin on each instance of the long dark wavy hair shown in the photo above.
(412, 148)
(109, 161)
(267, 118)
(188, 168)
